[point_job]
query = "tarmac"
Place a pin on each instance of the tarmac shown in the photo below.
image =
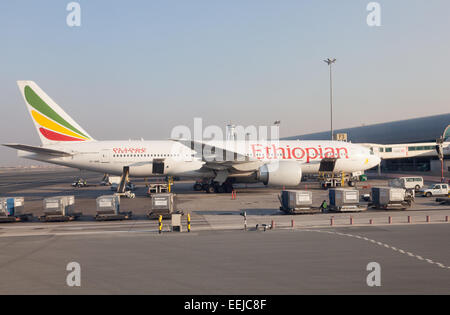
(218, 256)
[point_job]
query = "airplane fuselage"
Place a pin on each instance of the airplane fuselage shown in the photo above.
(180, 160)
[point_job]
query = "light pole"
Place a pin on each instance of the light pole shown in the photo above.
(330, 63)
(440, 153)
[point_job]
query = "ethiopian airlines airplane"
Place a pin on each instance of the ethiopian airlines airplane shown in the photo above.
(218, 163)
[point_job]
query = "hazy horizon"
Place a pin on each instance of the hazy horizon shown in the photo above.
(138, 69)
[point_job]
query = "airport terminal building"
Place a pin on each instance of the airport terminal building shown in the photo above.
(420, 134)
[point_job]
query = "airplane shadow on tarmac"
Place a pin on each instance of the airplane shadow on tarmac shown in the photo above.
(258, 212)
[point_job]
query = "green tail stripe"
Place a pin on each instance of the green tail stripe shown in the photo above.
(34, 100)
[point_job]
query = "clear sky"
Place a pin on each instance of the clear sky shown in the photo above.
(138, 68)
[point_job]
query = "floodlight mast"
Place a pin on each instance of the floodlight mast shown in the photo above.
(330, 62)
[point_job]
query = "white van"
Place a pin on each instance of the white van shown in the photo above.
(415, 183)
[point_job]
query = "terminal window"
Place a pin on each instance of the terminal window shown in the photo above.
(422, 148)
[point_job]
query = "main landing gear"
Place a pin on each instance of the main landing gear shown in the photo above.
(214, 187)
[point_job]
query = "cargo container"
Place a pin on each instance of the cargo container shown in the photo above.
(345, 200)
(12, 209)
(389, 198)
(59, 208)
(108, 208)
(297, 202)
(162, 204)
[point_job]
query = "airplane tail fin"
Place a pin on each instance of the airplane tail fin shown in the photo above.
(52, 123)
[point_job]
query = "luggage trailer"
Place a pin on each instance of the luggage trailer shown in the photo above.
(297, 202)
(59, 209)
(12, 210)
(390, 198)
(108, 209)
(163, 205)
(345, 200)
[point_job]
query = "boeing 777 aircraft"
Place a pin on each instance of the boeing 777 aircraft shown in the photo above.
(282, 163)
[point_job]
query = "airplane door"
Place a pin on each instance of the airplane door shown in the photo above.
(158, 167)
(105, 156)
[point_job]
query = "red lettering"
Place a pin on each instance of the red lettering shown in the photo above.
(320, 152)
(129, 150)
(329, 153)
(310, 157)
(296, 156)
(256, 151)
(282, 150)
(289, 152)
(268, 152)
(338, 152)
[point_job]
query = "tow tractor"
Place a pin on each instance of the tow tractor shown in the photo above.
(79, 182)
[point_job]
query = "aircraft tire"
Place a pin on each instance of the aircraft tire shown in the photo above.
(210, 189)
(220, 189)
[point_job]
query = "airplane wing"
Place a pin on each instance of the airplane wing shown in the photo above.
(220, 158)
(34, 149)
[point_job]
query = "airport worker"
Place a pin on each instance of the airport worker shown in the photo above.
(324, 206)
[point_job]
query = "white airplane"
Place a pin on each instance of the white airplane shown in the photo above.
(282, 163)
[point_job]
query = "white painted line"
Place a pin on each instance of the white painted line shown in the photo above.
(386, 246)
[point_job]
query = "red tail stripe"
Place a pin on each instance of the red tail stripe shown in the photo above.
(51, 135)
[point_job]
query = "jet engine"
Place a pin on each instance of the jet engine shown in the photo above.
(281, 173)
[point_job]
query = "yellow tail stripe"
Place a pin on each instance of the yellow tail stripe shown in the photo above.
(47, 123)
